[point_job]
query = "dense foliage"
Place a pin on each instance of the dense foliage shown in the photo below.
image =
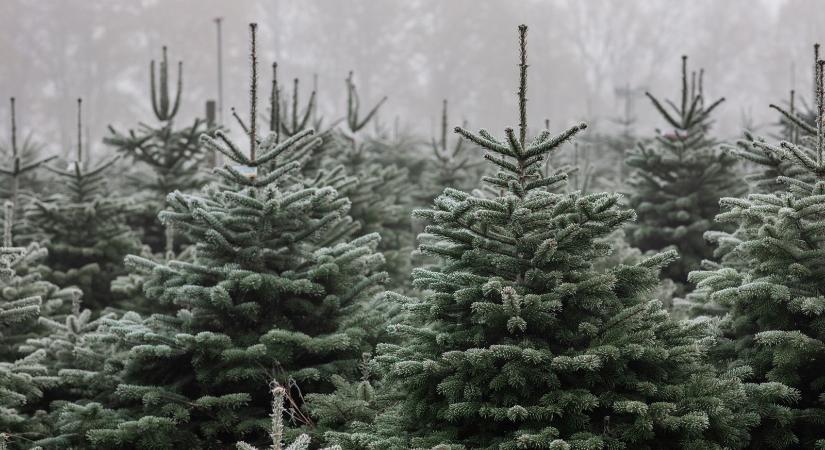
(314, 283)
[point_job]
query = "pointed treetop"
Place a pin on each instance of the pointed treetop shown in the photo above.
(76, 169)
(519, 162)
(802, 155)
(522, 86)
(253, 91)
(282, 120)
(797, 121)
(17, 167)
(164, 109)
(275, 105)
(354, 122)
(13, 130)
(691, 118)
(440, 147)
(79, 130)
(819, 106)
(290, 152)
(444, 125)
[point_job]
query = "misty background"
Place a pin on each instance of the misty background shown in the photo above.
(583, 54)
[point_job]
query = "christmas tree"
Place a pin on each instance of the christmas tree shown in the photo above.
(452, 166)
(86, 363)
(84, 227)
(20, 167)
(378, 183)
(770, 281)
(678, 181)
(520, 343)
(173, 155)
(22, 377)
(276, 291)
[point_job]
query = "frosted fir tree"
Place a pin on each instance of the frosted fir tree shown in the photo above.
(770, 285)
(173, 154)
(84, 227)
(768, 166)
(520, 343)
(22, 377)
(378, 183)
(20, 165)
(620, 143)
(22, 269)
(41, 344)
(87, 363)
(85, 371)
(277, 291)
(679, 180)
(453, 165)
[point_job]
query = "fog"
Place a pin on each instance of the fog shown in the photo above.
(416, 52)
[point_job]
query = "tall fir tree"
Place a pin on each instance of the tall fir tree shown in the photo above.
(172, 154)
(678, 181)
(84, 227)
(520, 343)
(379, 170)
(276, 291)
(769, 284)
(21, 161)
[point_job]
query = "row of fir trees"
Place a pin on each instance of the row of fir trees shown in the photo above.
(265, 290)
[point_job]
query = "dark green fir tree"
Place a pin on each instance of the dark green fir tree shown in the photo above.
(518, 343)
(277, 290)
(84, 227)
(172, 154)
(679, 179)
(770, 282)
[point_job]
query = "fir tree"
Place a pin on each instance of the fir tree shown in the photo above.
(276, 291)
(520, 343)
(22, 377)
(678, 181)
(173, 155)
(452, 166)
(770, 281)
(86, 362)
(84, 226)
(620, 143)
(379, 191)
(22, 162)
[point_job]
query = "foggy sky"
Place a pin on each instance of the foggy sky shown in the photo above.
(417, 52)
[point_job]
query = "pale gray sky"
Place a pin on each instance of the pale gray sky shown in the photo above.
(415, 51)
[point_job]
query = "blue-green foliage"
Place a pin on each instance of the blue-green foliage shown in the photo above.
(770, 280)
(678, 181)
(518, 342)
(276, 290)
